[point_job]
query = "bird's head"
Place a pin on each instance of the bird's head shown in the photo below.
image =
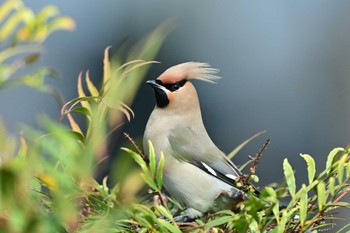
(173, 88)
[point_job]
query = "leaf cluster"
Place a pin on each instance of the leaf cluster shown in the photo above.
(22, 33)
(47, 179)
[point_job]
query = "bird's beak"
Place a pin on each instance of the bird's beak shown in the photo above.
(156, 86)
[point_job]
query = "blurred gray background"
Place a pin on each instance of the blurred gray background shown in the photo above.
(285, 69)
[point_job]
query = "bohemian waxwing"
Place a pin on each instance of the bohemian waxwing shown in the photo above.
(195, 171)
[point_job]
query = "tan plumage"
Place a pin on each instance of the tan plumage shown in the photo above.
(195, 172)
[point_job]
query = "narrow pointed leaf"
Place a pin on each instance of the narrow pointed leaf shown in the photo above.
(238, 148)
(303, 205)
(172, 228)
(46, 13)
(138, 159)
(330, 158)
(332, 185)
(290, 178)
(159, 174)
(7, 7)
(22, 15)
(81, 93)
(91, 87)
(73, 124)
(321, 195)
(311, 167)
(341, 166)
(164, 212)
(152, 159)
(219, 221)
(149, 181)
(106, 66)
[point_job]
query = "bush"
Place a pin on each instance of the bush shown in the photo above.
(47, 179)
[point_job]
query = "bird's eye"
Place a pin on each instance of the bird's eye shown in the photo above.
(175, 86)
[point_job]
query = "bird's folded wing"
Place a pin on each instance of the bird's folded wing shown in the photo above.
(198, 149)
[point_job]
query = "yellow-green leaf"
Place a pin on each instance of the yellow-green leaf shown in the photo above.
(106, 66)
(164, 212)
(290, 178)
(46, 13)
(73, 124)
(303, 205)
(332, 185)
(81, 93)
(341, 166)
(219, 221)
(171, 227)
(22, 15)
(311, 167)
(276, 212)
(138, 159)
(330, 158)
(91, 87)
(238, 148)
(148, 179)
(7, 7)
(321, 194)
(159, 174)
(152, 159)
(61, 23)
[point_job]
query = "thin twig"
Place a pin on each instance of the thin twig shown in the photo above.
(342, 195)
(161, 200)
(256, 161)
(127, 136)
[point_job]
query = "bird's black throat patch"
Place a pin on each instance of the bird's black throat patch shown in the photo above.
(161, 98)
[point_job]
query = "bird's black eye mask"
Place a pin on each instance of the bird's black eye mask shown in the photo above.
(173, 86)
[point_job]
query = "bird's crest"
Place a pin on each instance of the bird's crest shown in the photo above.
(190, 70)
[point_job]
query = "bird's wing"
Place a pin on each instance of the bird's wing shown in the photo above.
(188, 144)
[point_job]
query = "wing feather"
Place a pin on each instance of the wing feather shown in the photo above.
(197, 148)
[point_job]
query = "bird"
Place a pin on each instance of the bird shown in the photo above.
(196, 172)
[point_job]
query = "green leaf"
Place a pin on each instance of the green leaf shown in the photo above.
(321, 194)
(149, 180)
(61, 23)
(152, 159)
(289, 175)
(311, 167)
(82, 110)
(81, 94)
(332, 185)
(172, 228)
(7, 7)
(276, 212)
(253, 226)
(348, 170)
(341, 166)
(238, 148)
(22, 15)
(219, 221)
(303, 205)
(159, 174)
(91, 87)
(330, 158)
(138, 159)
(164, 212)
(46, 13)
(74, 125)
(106, 66)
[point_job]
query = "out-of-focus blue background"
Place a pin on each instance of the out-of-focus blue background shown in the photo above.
(285, 69)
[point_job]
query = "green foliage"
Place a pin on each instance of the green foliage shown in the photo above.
(22, 33)
(47, 176)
